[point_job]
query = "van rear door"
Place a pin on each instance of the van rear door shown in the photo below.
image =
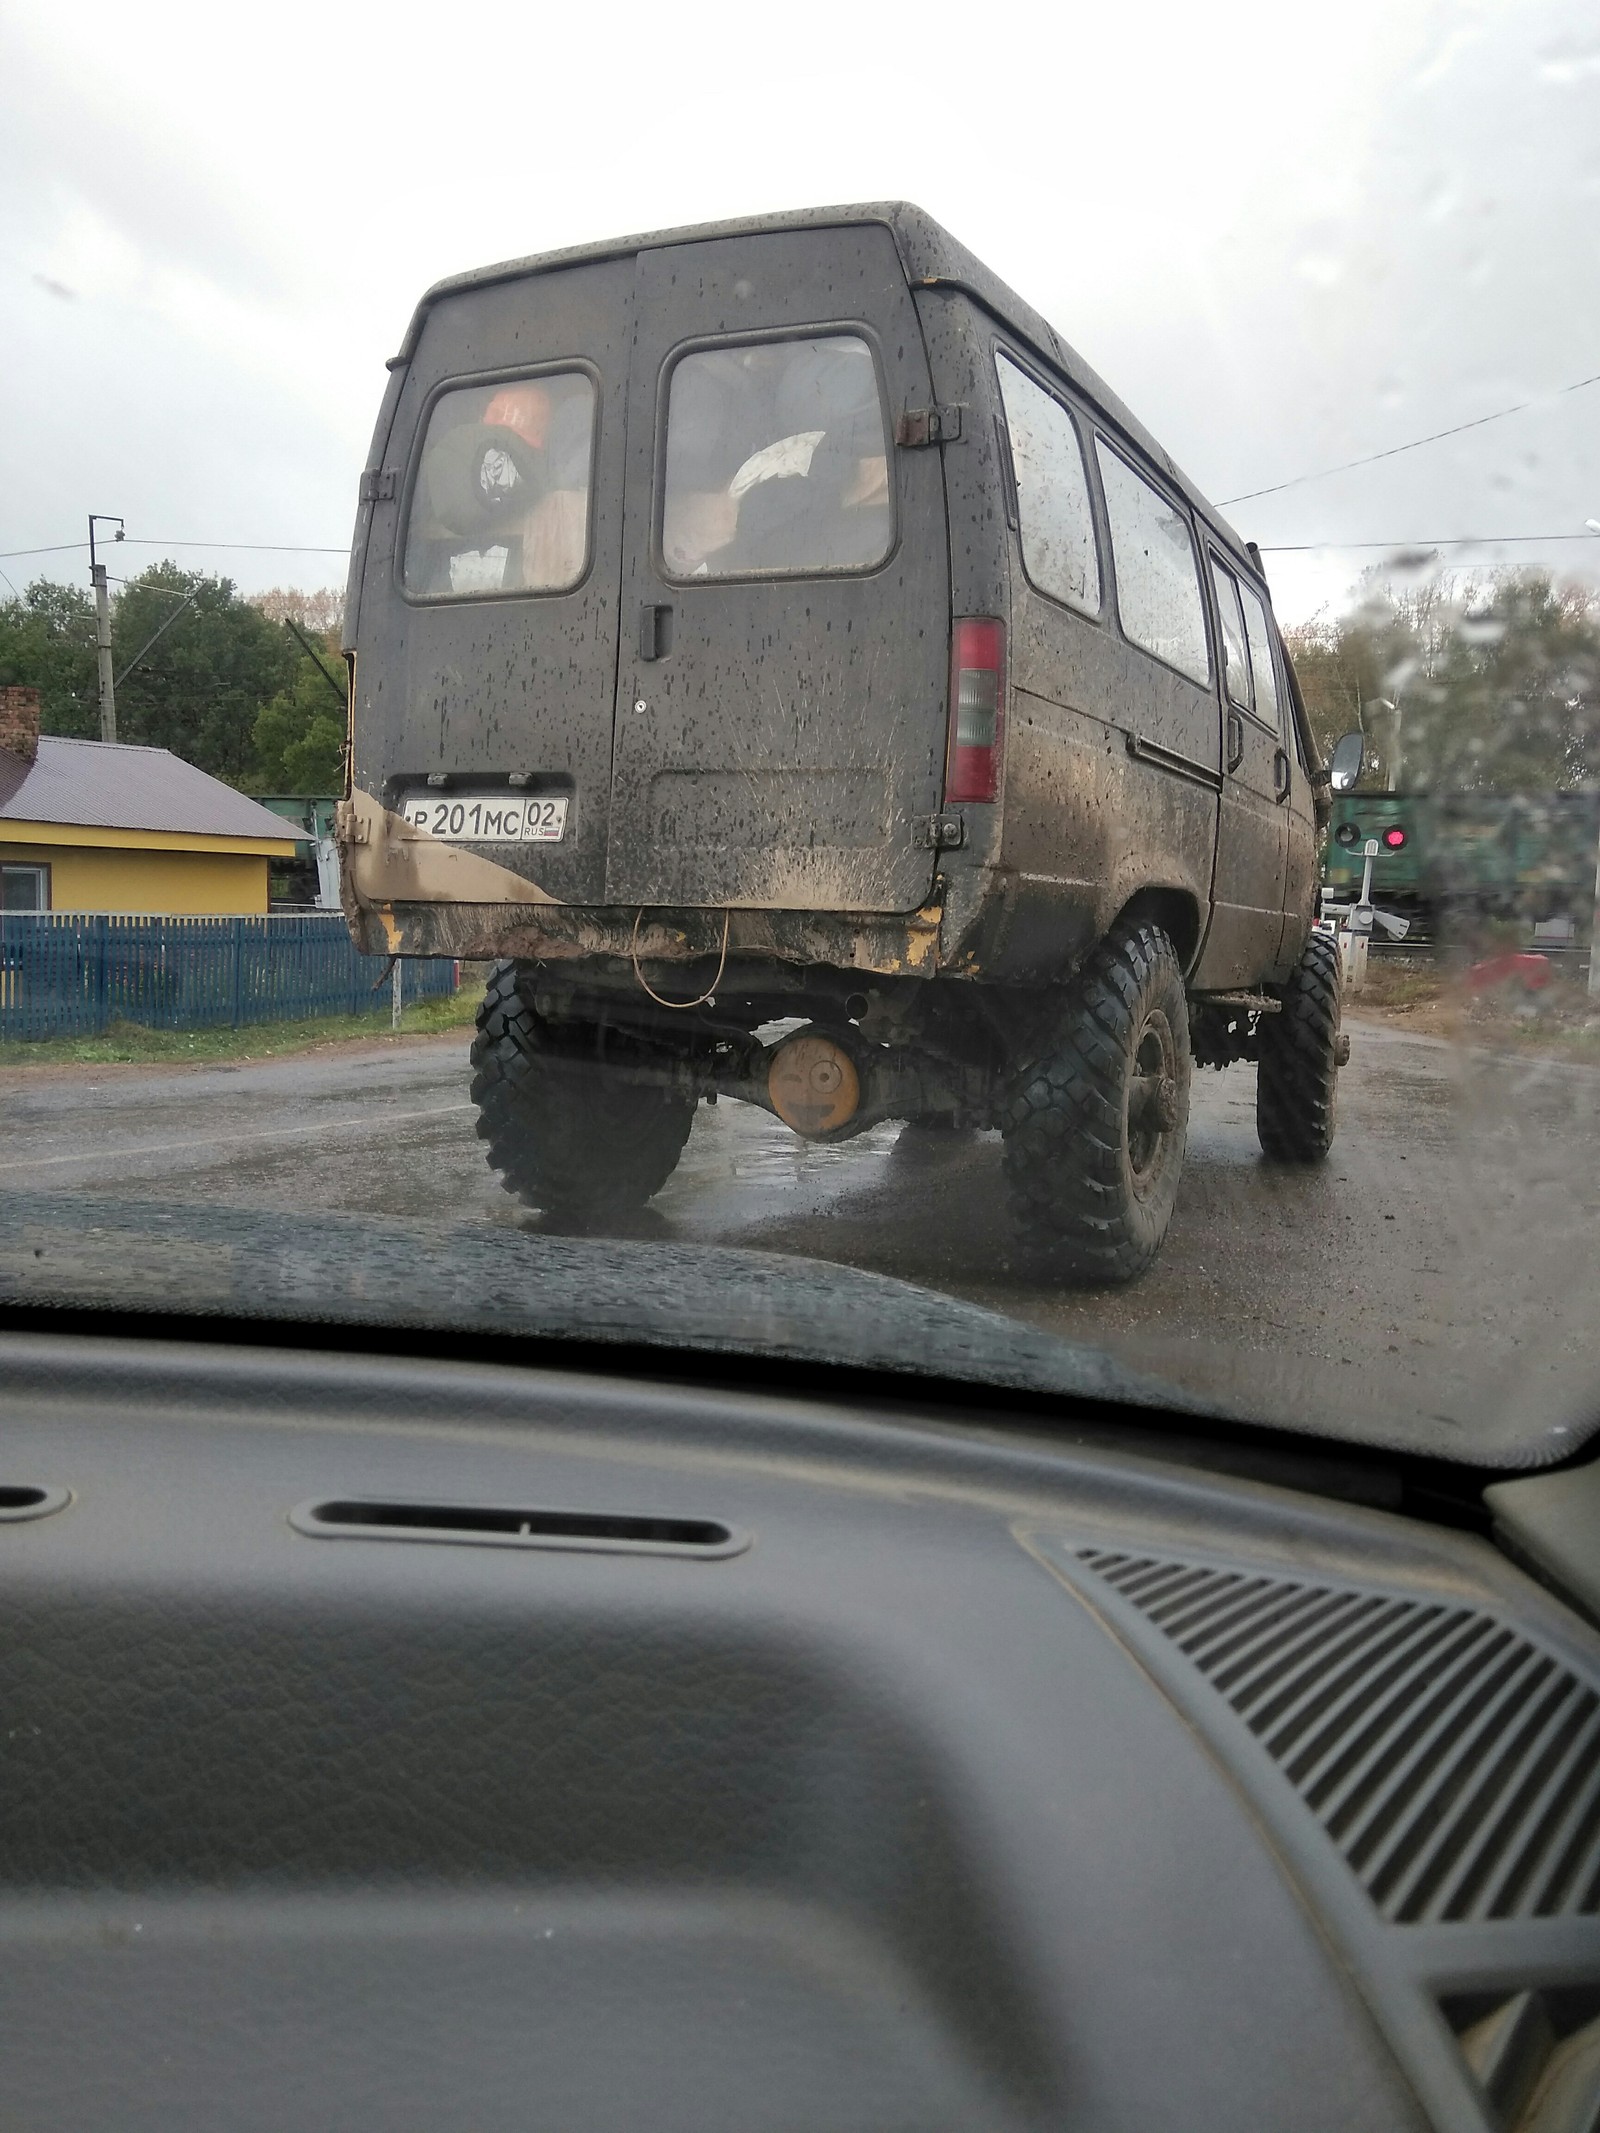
(783, 670)
(486, 646)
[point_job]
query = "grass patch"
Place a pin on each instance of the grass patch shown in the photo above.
(1557, 1020)
(1548, 1043)
(1391, 985)
(128, 1044)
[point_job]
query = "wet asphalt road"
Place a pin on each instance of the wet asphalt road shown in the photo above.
(1444, 1264)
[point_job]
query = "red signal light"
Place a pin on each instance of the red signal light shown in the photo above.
(977, 709)
(1394, 838)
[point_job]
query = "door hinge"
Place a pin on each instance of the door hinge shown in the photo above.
(939, 833)
(378, 485)
(928, 425)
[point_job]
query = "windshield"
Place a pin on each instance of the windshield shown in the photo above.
(799, 821)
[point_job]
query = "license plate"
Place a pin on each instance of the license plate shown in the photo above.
(490, 818)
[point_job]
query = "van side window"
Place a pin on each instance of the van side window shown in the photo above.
(1235, 658)
(1260, 635)
(1053, 510)
(500, 503)
(1158, 572)
(777, 461)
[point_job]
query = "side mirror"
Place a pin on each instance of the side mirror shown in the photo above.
(1346, 763)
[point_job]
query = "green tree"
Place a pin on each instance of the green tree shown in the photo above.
(199, 688)
(1495, 681)
(1513, 703)
(47, 643)
(299, 735)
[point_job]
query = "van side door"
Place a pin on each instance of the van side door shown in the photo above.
(783, 678)
(1157, 689)
(1247, 914)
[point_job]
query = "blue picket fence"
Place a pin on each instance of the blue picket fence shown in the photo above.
(72, 974)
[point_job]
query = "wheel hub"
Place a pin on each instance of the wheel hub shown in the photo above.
(813, 1085)
(1153, 1106)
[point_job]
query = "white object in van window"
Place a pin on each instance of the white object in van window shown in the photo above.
(478, 570)
(779, 461)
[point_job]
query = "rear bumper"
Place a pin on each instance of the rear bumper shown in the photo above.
(886, 946)
(409, 894)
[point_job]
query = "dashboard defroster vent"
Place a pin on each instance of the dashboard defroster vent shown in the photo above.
(1455, 1763)
(21, 1500)
(510, 1526)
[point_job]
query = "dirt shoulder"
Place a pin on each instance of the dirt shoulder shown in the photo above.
(1528, 1014)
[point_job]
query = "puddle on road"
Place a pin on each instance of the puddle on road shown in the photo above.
(753, 1150)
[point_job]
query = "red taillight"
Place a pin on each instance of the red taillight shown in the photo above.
(977, 710)
(1394, 838)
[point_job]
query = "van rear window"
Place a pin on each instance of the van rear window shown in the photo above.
(1053, 511)
(501, 499)
(777, 461)
(1158, 573)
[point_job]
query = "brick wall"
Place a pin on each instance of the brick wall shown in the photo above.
(19, 722)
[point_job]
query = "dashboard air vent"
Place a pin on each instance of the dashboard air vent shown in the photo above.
(1455, 1763)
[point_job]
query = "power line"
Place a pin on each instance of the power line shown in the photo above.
(1479, 540)
(1394, 450)
(252, 547)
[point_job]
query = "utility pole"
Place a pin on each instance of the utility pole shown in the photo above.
(102, 626)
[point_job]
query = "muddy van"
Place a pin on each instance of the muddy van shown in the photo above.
(779, 654)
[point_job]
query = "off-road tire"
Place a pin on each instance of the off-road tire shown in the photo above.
(564, 1134)
(1297, 1080)
(1092, 1168)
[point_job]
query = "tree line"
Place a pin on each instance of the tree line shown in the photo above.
(220, 680)
(1478, 683)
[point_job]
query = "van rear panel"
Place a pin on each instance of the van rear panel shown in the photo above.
(658, 613)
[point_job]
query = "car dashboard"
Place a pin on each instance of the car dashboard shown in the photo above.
(422, 1744)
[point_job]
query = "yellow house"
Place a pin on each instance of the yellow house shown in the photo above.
(97, 826)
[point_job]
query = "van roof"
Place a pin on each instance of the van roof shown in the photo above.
(932, 259)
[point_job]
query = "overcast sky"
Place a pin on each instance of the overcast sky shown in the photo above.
(1288, 235)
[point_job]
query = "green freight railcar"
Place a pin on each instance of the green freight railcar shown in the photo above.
(1450, 858)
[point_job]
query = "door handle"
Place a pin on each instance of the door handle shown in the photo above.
(1235, 740)
(655, 630)
(1281, 774)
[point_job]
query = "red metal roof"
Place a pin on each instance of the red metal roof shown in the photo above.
(107, 785)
